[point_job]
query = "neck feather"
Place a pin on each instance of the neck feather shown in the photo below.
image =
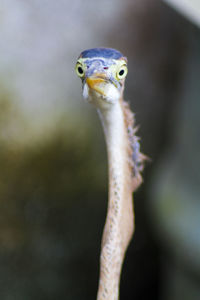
(119, 225)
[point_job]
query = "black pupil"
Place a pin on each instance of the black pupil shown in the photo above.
(80, 70)
(121, 72)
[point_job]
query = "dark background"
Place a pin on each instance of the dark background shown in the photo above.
(53, 165)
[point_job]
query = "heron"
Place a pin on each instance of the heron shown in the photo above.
(103, 72)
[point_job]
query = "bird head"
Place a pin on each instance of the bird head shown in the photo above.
(103, 72)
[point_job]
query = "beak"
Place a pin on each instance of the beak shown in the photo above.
(97, 82)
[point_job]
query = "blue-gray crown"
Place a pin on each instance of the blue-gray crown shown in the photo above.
(101, 52)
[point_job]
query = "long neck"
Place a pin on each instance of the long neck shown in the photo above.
(119, 225)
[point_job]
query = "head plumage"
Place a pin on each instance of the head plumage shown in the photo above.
(101, 52)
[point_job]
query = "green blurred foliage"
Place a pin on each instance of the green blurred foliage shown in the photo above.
(50, 210)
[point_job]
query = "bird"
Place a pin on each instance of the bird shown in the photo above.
(103, 72)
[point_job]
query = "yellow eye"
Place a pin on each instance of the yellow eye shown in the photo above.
(122, 72)
(80, 70)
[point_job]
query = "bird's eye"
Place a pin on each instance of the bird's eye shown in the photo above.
(80, 70)
(122, 72)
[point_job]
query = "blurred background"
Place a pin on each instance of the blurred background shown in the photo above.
(53, 164)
